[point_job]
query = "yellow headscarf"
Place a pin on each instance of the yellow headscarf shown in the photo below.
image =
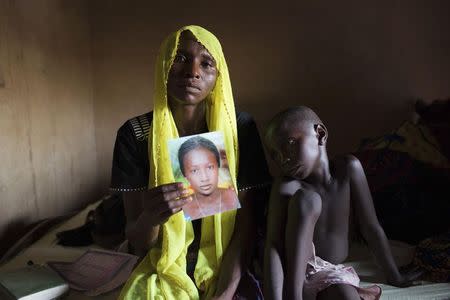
(162, 273)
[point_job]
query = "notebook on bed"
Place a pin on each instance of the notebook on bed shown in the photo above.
(34, 282)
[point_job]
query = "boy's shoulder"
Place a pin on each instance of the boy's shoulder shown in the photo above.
(286, 186)
(346, 165)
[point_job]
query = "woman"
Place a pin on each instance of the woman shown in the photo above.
(199, 161)
(192, 95)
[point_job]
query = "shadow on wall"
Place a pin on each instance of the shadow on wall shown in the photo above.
(347, 120)
(12, 232)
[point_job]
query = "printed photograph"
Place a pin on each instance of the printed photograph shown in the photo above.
(200, 162)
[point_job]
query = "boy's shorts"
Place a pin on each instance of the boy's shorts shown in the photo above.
(321, 274)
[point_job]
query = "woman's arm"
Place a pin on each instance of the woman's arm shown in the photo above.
(140, 233)
(253, 171)
(238, 254)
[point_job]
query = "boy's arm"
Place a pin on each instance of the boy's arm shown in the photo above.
(303, 212)
(274, 245)
(370, 228)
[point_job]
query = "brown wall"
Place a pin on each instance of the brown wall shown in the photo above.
(47, 142)
(71, 72)
(360, 64)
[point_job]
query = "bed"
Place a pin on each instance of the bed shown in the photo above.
(45, 249)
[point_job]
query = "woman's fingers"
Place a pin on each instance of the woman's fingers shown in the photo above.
(167, 200)
(175, 195)
(166, 215)
(165, 188)
(179, 202)
(174, 207)
(161, 194)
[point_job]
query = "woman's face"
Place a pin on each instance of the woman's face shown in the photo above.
(201, 170)
(193, 73)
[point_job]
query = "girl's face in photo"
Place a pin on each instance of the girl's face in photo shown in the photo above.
(201, 170)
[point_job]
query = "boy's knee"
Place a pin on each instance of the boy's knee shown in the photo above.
(306, 203)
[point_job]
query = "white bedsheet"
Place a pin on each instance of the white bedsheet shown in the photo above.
(46, 249)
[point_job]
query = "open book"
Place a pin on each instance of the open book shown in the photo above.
(96, 271)
(34, 282)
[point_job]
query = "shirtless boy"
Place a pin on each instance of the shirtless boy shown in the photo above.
(311, 208)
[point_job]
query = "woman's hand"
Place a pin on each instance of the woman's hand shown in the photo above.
(146, 210)
(163, 201)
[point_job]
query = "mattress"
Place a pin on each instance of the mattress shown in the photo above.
(46, 249)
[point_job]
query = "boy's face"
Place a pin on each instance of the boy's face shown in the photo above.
(296, 149)
(201, 170)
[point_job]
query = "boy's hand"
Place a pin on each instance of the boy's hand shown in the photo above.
(407, 278)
